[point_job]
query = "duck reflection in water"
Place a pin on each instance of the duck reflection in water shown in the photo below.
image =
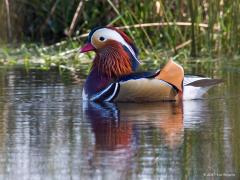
(117, 126)
(110, 133)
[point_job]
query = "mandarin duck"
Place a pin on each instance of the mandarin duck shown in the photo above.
(113, 75)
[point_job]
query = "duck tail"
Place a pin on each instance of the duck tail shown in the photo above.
(195, 87)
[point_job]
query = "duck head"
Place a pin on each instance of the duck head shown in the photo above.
(116, 54)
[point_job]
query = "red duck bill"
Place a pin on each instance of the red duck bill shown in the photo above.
(87, 47)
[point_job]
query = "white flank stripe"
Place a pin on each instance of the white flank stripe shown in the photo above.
(101, 93)
(115, 91)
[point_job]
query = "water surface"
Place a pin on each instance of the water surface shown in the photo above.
(47, 132)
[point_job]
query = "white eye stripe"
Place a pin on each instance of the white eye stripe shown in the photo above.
(114, 35)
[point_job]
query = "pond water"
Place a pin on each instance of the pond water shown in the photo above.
(47, 132)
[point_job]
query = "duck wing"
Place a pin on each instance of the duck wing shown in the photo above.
(145, 90)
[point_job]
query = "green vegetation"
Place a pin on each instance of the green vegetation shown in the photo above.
(49, 33)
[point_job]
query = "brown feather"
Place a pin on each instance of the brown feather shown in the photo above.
(112, 60)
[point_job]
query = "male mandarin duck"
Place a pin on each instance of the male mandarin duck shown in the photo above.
(113, 75)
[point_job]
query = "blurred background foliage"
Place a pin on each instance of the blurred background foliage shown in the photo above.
(193, 27)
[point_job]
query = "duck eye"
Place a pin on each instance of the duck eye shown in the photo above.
(101, 38)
